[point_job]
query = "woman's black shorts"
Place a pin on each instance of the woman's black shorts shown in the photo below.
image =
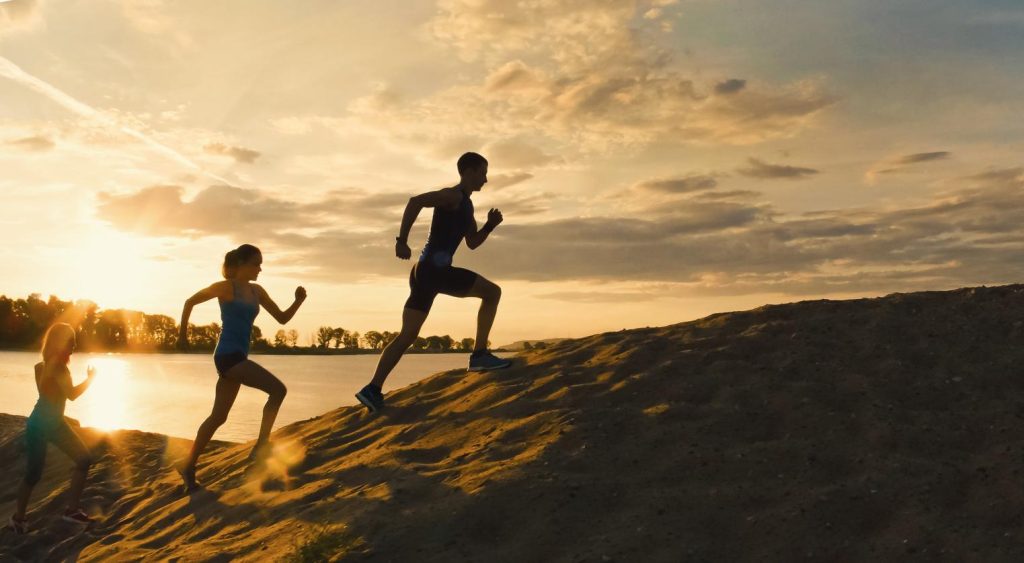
(427, 280)
(224, 362)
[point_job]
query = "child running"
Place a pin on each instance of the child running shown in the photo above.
(47, 424)
(240, 302)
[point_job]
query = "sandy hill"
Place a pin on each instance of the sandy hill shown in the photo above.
(874, 429)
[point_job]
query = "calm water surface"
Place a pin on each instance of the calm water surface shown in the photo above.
(173, 393)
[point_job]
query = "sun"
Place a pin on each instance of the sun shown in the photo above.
(109, 267)
(104, 405)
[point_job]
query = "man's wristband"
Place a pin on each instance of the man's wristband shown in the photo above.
(402, 239)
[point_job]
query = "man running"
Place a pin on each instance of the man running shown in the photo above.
(452, 221)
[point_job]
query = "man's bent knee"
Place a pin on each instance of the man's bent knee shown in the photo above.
(492, 292)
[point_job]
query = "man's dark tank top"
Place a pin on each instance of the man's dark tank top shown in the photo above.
(447, 229)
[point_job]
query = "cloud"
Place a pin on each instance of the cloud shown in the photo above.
(963, 237)
(922, 157)
(36, 143)
(240, 154)
(512, 153)
(19, 15)
(366, 209)
(734, 194)
(902, 164)
(516, 75)
(227, 210)
(153, 17)
(730, 246)
(216, 210)
(520, 206)
(606, 296)
(998, 176)
(679, 185)
(581, 77)
(501, 181)
(111, 120)
(730, 86)
(760, 169)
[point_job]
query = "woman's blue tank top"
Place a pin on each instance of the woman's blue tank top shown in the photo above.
(236, 317)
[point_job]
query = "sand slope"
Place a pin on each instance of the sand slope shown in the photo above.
(881, 429)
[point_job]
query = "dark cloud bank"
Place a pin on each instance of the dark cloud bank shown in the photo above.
(968, 236)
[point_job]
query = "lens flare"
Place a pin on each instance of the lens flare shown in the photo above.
(104, 405)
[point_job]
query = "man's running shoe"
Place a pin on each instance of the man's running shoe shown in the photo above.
(18, 526)
(78, 516)
(371, 397)
(484, 360)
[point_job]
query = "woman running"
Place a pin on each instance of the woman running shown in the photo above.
(240, 302)
(47, 424)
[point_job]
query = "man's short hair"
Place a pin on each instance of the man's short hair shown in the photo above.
(469, 161)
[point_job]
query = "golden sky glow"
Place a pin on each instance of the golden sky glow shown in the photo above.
(655, 160)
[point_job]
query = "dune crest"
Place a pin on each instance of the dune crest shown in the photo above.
(868, 429)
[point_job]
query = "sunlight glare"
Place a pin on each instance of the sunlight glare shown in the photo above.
(109, 267)
(106, 400)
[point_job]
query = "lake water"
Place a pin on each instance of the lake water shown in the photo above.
(173, 393)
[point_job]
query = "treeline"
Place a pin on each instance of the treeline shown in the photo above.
(24, 321)
(332, 337)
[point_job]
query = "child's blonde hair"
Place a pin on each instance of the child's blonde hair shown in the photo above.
(56, 339)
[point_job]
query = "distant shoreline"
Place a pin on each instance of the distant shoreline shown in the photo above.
(271, 352)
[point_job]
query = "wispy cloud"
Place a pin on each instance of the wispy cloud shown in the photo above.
(679, 185)
(36, 143)
(922, 157)
(163, 210)
(13, 72)
(904, 163)
(500, 181)
(759, 169)
(18, 15)
(239, 154)
(730, 86)
(514, 153)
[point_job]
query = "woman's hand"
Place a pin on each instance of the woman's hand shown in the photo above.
(300, 294)
(90, 372)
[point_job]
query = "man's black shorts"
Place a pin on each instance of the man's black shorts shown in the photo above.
(427, 280)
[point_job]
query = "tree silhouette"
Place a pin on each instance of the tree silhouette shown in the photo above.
(324, 335)
(338, 337)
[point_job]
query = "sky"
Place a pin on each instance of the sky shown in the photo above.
(655, 160)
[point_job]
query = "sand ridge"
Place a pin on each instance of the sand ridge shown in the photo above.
(868, 429)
